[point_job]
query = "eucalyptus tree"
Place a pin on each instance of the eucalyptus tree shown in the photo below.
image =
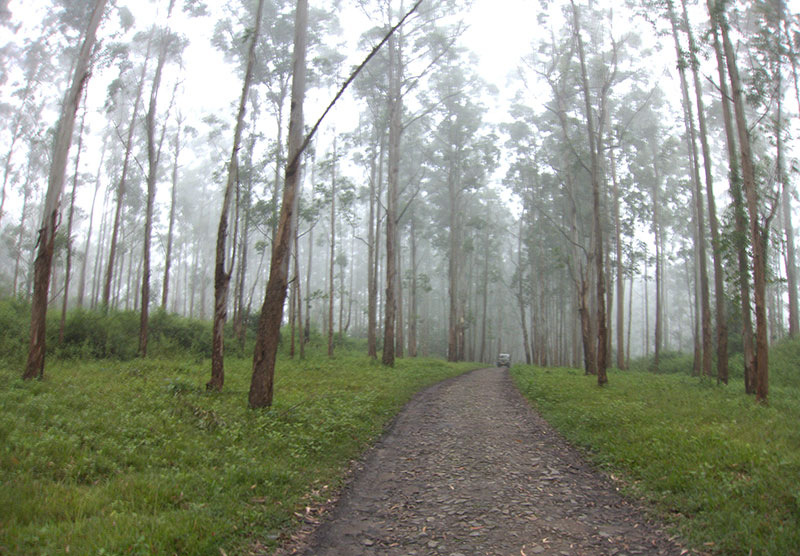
(463, 155)
(63, 139)
(261, 383)
(409, 58)
(373, 123)
(758, 221)
(176, 142)
(771, 54)
(222, 276)
(740, 234)
(76, 178)
(170, 46)
(22, 109)
(719, 279)
(694, 162)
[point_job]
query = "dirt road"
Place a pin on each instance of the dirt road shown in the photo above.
(468, 468)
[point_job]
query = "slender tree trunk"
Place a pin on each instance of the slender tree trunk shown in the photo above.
(222, 275)
(331, 292)
(659, 278)
(16, 133)
(740, 218)
(619, 268)
(123, 178)
(376, 171)
(412, 312)
(242, 313)
(153, 155)
(698, 196)
(261, 384)
(297, 289)
(630, 314)
(46, 237)
(22, 219)
(395, 130)
(485, 303)
(602, 331)
(88, 242)
(399, 340)
(757, 235)
(521, 297)
(786, 194)
(307, 326)
(716, 250)
(68, 267)
(791, 263)
(170, 231)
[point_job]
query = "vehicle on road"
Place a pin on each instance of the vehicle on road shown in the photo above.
(504, 360)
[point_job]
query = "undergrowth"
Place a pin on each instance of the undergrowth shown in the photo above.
(134, 457)
(720, 468)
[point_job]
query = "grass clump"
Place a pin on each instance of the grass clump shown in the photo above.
(720, 468)
(134, 457)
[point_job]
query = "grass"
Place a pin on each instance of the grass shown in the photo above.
(721, 469)
(134, 457)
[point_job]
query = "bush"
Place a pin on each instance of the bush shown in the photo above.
(171, 333)
(15, 322)
(669, 362)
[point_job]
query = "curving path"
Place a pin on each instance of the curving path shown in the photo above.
(468, 468)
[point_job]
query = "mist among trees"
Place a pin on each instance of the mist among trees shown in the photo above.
(628, 192)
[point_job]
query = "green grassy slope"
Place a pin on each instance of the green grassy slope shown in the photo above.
(134, 457)
(723, 470)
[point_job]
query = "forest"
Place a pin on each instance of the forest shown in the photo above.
(235, 184)
(635, 197)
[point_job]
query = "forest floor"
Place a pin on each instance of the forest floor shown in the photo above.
(469, 468)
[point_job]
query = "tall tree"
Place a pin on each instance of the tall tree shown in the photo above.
(222, 277)
(153, 158)
(716, 248)
(266, 348)
(740, 216)
(758, 234)
(122, 185)
(599, 260)
(172, 211)
(694, 163)
(46, 240)
(70, 216)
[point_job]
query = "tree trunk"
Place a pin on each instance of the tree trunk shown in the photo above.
(757, 235)
(23, 216)
(123, 178)
(153, 155)
(659, 278)
(791, 263)
(485, 303)
(331, 292)
(619, 268)
(399, 340)
(716, 250)
(222, 276)
(68, 267)
(412, 310)
(602, 332)
(88, 242)
(17, 131)
(697, 195)
(261, 384)
(46, 239)
(168, 254)
(376, 174)
(740, 219)
(395, 130)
